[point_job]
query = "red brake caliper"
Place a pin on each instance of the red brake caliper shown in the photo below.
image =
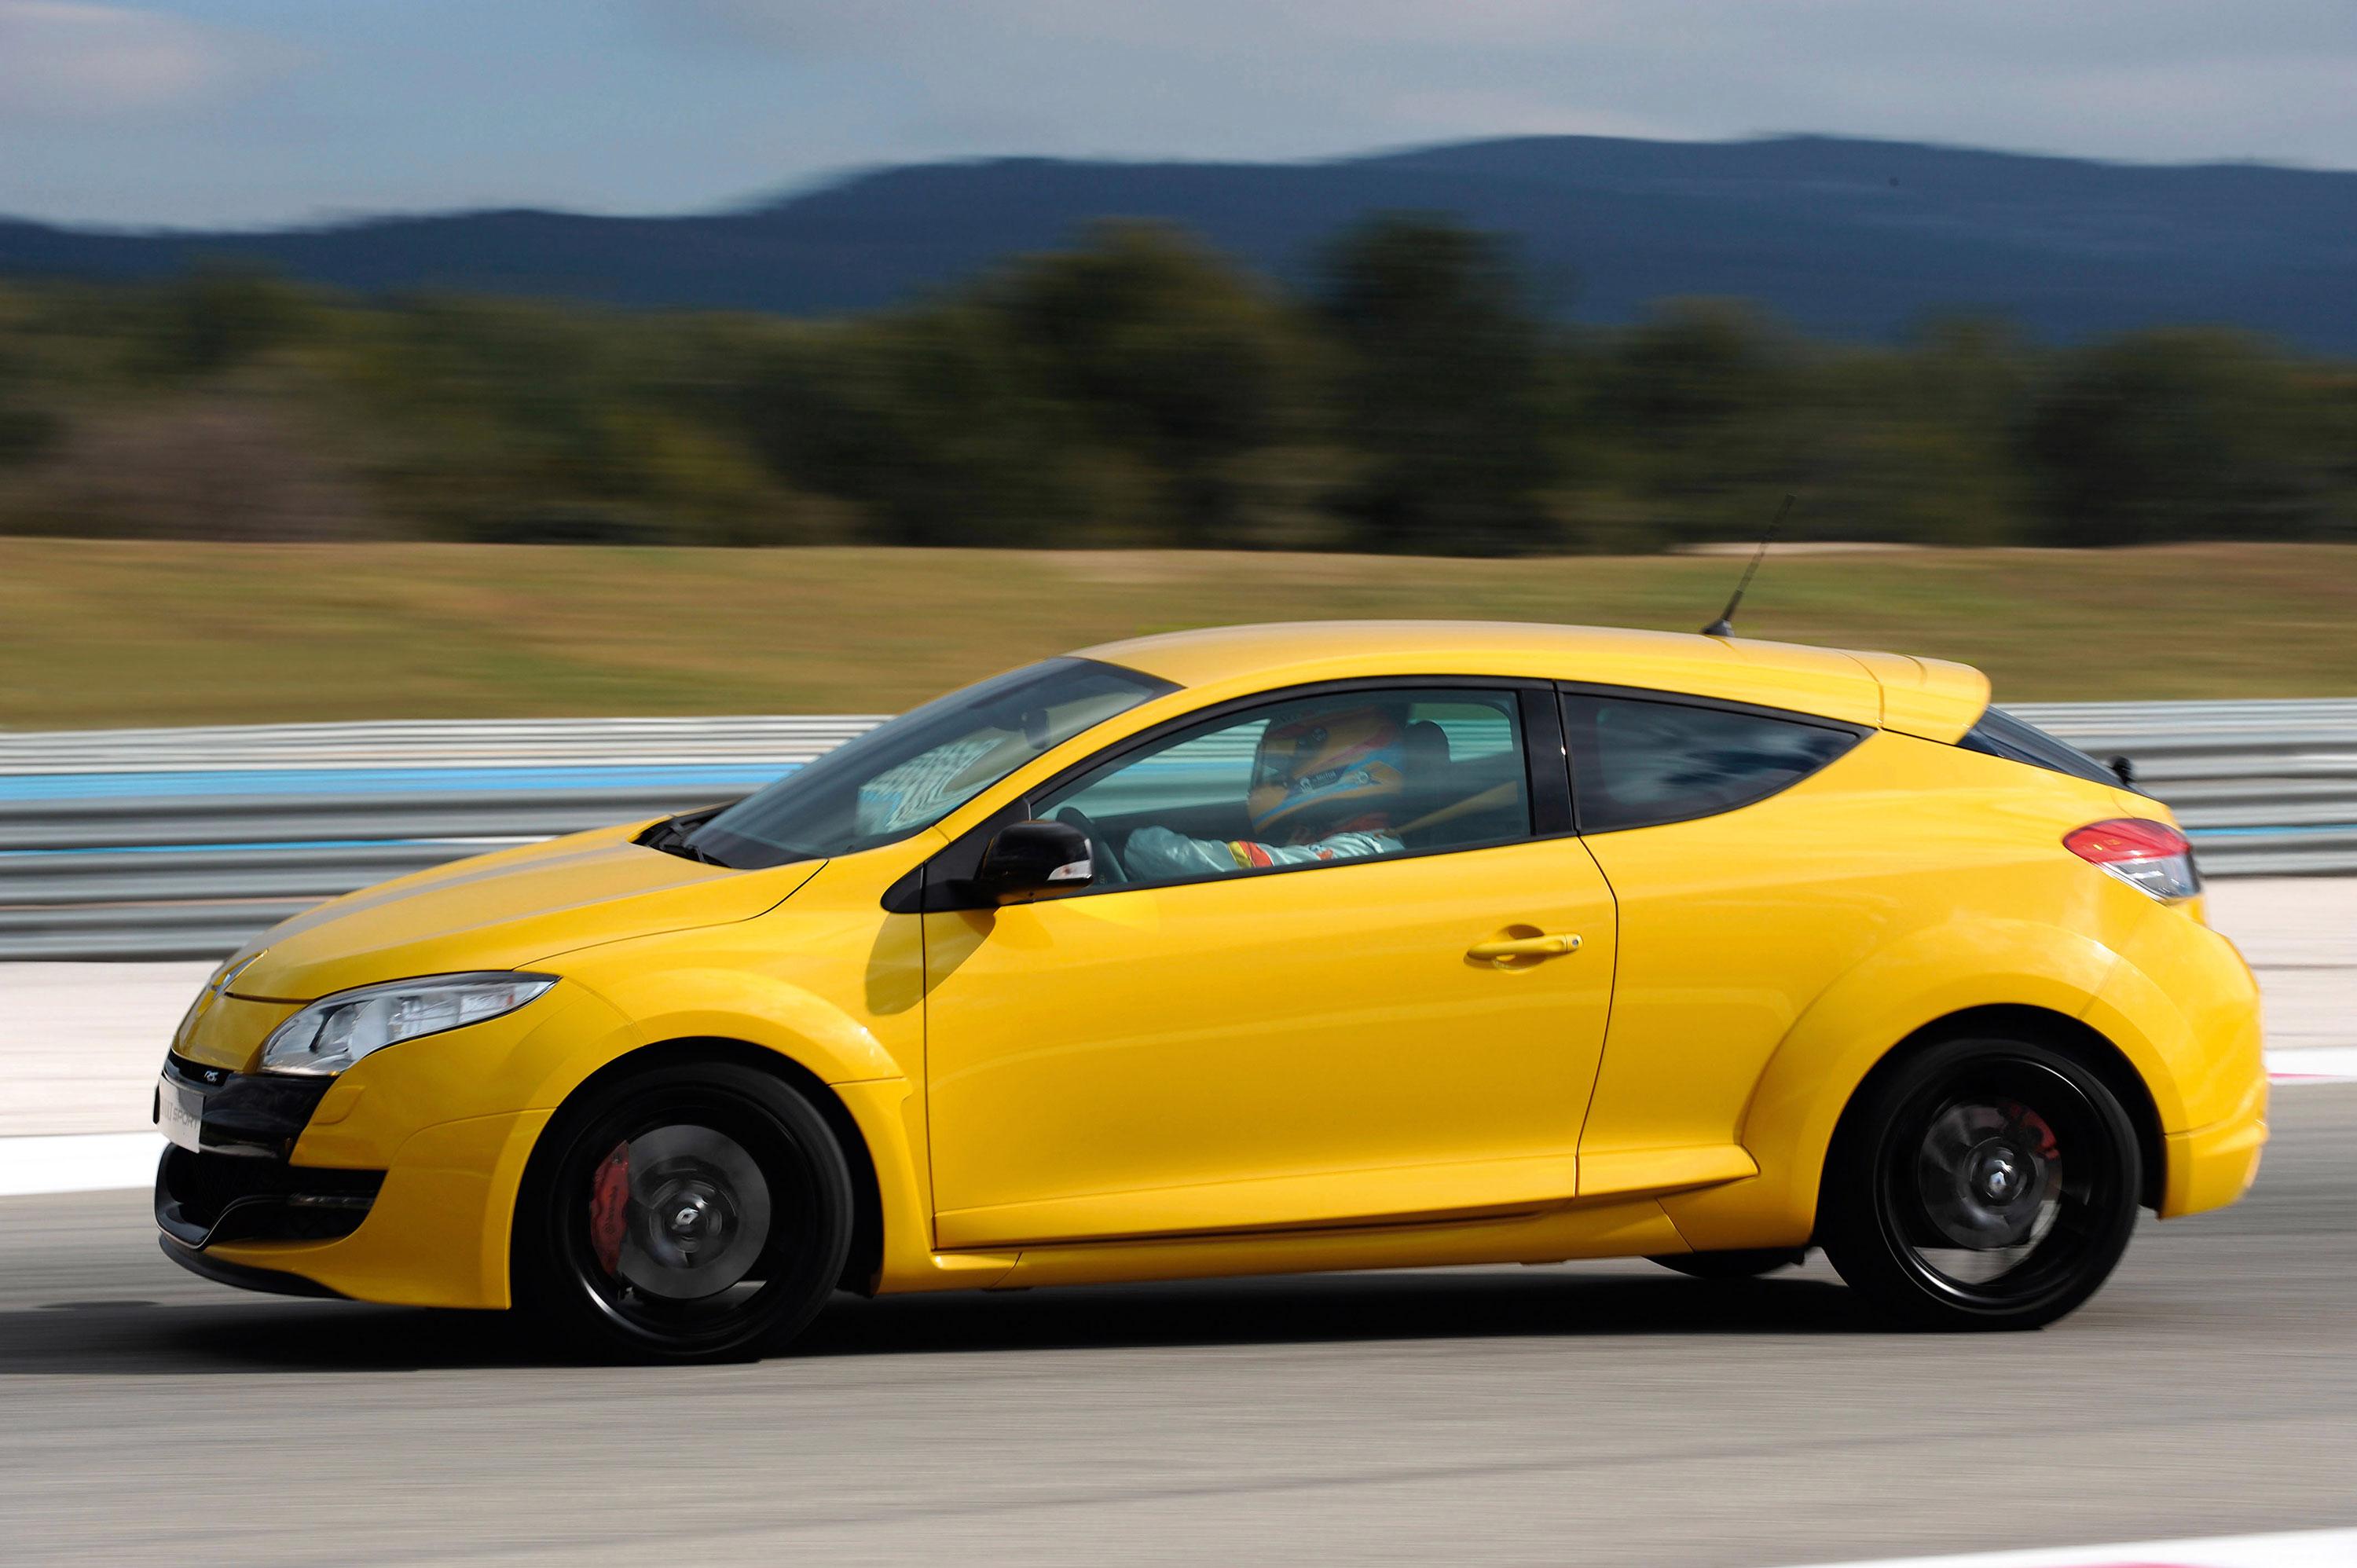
(2033, 1123)
(609, 1204)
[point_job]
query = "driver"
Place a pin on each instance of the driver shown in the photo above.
(1323, 788)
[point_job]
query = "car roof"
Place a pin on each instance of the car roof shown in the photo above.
(1928, 697)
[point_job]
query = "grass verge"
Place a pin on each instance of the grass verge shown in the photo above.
(102, 633)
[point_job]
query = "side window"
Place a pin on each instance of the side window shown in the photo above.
(1307, 781)
(1637, 763)
(2001, 734)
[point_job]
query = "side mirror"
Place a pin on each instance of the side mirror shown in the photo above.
(1027, 859)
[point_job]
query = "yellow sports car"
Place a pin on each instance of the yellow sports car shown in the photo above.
(1252, 951)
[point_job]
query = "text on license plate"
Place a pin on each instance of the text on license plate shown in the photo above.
(179, 1114)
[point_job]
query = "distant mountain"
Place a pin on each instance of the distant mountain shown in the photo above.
(1852, 239)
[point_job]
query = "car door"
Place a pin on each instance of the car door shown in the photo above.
(1235, 1045)
(1741, 847)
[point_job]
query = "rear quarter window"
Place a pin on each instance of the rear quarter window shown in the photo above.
(1639, 762)
(2001, 734)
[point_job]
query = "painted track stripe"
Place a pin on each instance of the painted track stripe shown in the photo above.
(78, 1162)
(2299, 1549)
(2313, 1064)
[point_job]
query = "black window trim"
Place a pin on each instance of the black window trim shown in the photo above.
(943, 881)
(2065, 759)
(1566, 690)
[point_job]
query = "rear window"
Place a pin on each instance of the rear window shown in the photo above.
(1999, 733)
(1637, 763)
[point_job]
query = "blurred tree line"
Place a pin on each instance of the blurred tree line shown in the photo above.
(1140, 390)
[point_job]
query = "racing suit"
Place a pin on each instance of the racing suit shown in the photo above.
(1153, 853)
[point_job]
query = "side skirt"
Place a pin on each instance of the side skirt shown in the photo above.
(1631, 1228)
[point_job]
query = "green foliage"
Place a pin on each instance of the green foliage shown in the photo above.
(1139, 391)
(1440, 387)
(1698, 411)
(930, 424)
(2181, 434)
(220, 316)
(1168, 359)
(25, 431)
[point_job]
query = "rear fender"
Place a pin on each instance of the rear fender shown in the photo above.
(1928, 976)
(2182, 996)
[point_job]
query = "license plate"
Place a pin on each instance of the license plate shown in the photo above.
(179, 1113)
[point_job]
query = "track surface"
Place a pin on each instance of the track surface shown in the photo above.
(1604, 1413)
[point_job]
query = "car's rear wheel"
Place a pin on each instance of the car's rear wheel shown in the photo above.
(1983, 1182)
(1746, 1264)
(695, 1212)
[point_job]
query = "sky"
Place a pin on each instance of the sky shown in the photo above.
(247, 113)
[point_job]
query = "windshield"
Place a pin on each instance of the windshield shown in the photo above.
(911, 771)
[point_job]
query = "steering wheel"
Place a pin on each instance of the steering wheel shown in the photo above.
(1099, 847)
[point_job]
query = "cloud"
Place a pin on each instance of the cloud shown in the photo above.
(67, 60)
(789, 26)
(1522, 114)
(2154, 79)
(137, 111)
(826, 26)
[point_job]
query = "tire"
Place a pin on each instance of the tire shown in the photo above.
(1732, 1265)
(698, 1211)
(1984, 1183)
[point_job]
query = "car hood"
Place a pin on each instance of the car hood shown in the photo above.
(503, 911)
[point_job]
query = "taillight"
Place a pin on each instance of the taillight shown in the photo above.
(2141, 852)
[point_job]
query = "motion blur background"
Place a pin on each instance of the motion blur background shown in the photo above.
(373, 365)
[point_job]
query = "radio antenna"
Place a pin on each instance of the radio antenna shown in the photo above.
(1725, 625)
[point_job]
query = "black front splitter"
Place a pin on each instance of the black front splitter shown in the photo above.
(271, 1282)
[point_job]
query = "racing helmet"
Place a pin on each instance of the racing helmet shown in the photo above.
(1326, 772)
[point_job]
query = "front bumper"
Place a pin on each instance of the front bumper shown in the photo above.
(425, 1223)
(270, 1281)
(228, 1175)
(202, 1199)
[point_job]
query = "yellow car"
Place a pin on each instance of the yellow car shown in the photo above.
(1251, 951)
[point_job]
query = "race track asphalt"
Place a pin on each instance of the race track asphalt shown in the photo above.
(1590, 1413)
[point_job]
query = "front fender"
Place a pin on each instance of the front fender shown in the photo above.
(735, 1004)
(533, 1060)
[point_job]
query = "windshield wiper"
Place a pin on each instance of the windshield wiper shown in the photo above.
(670, 836)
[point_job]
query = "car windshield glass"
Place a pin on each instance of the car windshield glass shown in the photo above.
(911, 771)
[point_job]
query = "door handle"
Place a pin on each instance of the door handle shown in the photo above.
(1508, 948)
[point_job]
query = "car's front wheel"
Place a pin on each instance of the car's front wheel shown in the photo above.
(1984, 1183)
(694, 1212)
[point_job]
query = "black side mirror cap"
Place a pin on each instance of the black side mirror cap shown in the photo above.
(1027, 859)
(2123, 769)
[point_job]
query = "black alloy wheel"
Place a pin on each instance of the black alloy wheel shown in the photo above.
(694, 1213)
(1985, 1183)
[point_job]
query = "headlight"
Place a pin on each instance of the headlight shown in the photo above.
(334, 1032)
